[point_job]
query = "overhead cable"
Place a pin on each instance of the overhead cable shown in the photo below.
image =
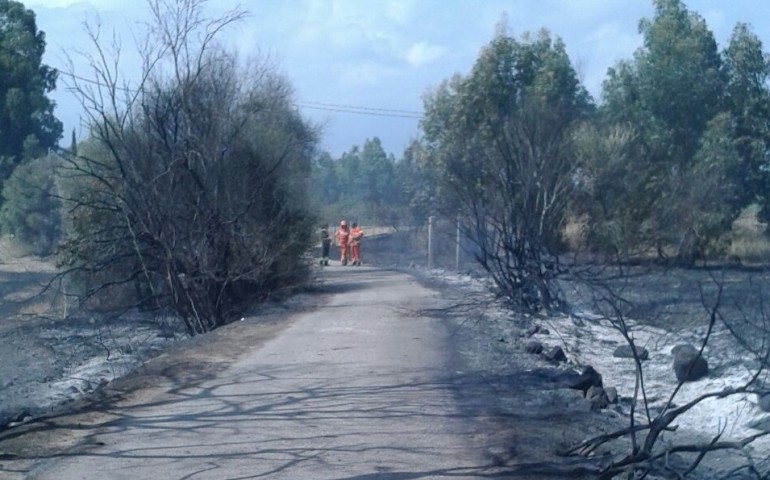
(308, 104)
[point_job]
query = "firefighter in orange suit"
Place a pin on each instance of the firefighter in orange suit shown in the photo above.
(343, 238)
(355, 244)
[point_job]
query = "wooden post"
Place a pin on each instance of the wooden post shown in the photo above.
(430, 242)
(457, 246)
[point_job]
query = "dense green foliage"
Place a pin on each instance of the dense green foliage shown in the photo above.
(31, 209)
(27, 130)
(27, 125)
(748, 102)
(362, 185)
(668, 94)
(680, 146)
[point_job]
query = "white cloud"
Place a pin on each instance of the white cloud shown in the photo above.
(400, 11)
(363, 74)
(421, 53)
(86, 4)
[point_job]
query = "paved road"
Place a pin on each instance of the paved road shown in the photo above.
(356, 389)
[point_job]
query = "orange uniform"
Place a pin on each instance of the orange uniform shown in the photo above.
(355, 244)
(343, 238)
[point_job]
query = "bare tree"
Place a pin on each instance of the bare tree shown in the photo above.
(189, 193)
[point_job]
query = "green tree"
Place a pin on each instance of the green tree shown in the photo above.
(325, 187)
(418, 189)
(325, 184)
(377, 180)
(719, 191)
(500, 143)
(748, 101)
(668, 94)
(30, 211)
(350, 184)
(606, 203)
(73, 143)
(27, 124)
(680, 75)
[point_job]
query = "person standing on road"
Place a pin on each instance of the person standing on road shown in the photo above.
(343, 238)
(355, 244)
(326, 243)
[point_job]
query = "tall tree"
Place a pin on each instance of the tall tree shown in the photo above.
(500, 141)
(680, 75)
(417, 185)
(380, 191)
(325, 183)
(73, 143)
(748, 101)
(668, 94)
(27, 124)
(350, 184)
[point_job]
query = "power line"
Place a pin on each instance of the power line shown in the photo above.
(354, 107)
(91, 81)
(359, 111)
(309, 104)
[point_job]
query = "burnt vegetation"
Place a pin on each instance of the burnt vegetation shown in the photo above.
(199, 188)
(187, 195)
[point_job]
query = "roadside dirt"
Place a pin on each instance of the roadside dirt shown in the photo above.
(183, 365)
(27, 358)
(52, 354)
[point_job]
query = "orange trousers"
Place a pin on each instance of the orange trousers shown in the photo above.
(355, 253)
(343, 252)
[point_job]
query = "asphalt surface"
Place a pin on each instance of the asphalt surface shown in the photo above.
(359, 388)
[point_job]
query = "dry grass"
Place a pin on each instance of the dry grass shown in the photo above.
(749, 240)
(23, 281)
(750, 249)
(574, 233)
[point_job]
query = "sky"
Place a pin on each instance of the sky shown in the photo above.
(360, 68)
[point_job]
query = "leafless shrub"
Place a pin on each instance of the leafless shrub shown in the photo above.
(644, 432)
(189, 193)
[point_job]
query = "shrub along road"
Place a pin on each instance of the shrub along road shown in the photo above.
(358, 386)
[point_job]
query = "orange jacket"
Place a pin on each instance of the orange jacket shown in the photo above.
(343, 236)
(355, 235)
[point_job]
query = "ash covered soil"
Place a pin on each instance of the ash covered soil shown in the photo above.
(58, 372)
(50, 357)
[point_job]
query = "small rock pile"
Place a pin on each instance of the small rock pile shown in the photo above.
(688, 365)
